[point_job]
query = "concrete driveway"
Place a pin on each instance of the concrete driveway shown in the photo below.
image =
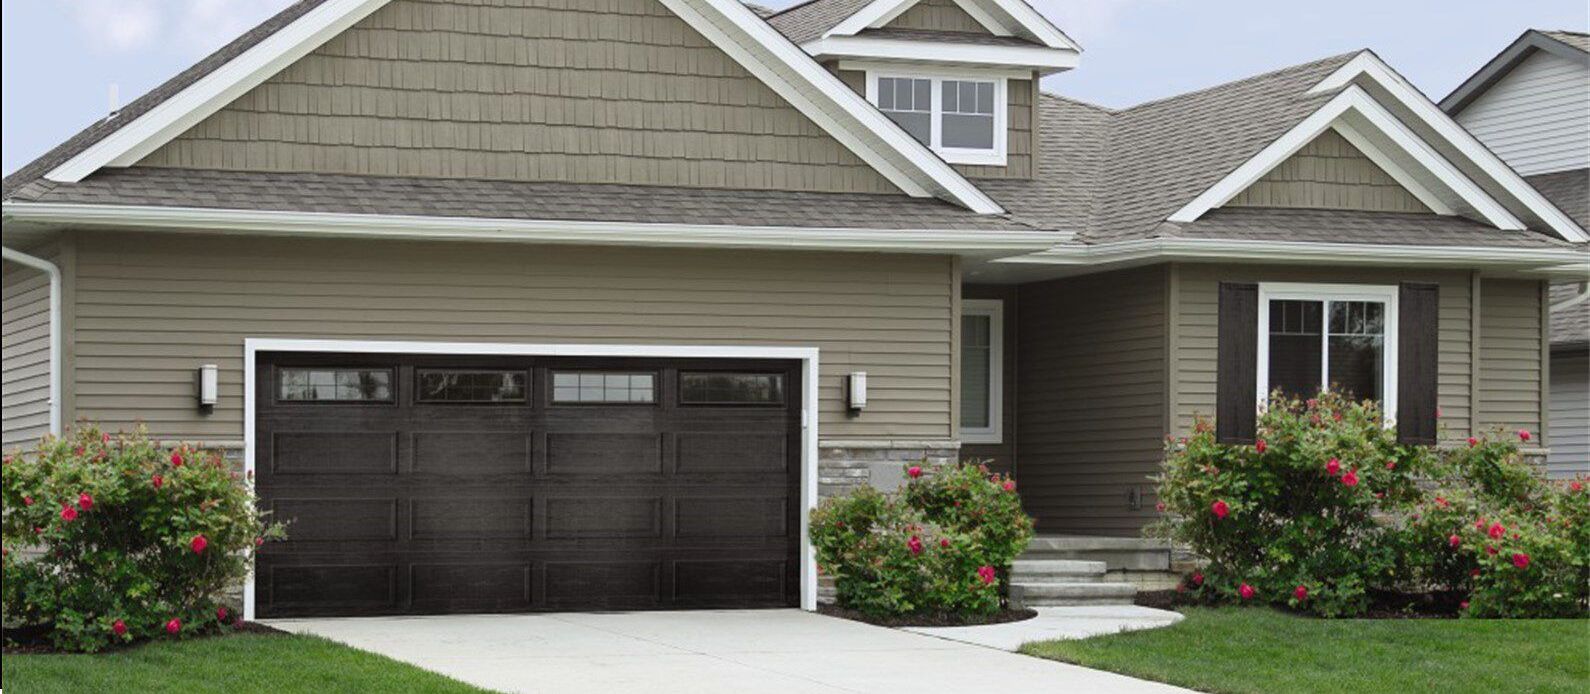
(701, 652)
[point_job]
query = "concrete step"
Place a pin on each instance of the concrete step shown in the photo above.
(1066, 594)
(1117, 553)
(1056, 571)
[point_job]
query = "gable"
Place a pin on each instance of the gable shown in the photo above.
(1329, 173)
(938, 15)
(616, 91)
(1534, 117)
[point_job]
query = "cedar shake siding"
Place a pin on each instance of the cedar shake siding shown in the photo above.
(610, 91)
(152, 308)
(1091, 406)
(1511, 373)
(25, 354)
(937, 15)
(1329, 173)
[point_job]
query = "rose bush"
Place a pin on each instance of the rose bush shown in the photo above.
(110, 539)
(1326, 510)
(942, 544)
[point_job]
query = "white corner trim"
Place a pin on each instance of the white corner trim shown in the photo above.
(1018, 16)
(1354, 100)
(1387, 295)
(994, 309)
(808, 356)
(1046, 59)
(53, 273)
(419, 228)
(159, 125)
(1369, 65)
(1306, 252)
(1402, 176)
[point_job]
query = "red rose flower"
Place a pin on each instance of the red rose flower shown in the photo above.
(173, 626)
(1474, 573)
(1220, 509)
(27, 501)
(1521, 560)
(1575, 486)
(68, 514)
(84, 501)
(198, 544)
(1391, 465)
(118, 628)
(914, 544)
(1440, 501)
(1301, 593)
(1455, 541)
(986, 573)
(259, 542)
(1490, 549)
(1463, 605)
(1351, 478)
(1160, 507)
(220, 613)
(1523, 435)
(1009, 485)
(1260, 446)
(1473, 442)
(1197, 578)
(176, 459)
(914, 471)
(1480, 524)
(944, 543)
(1246, 591)
(1497, 531)
(1333, 467)
(157, 480)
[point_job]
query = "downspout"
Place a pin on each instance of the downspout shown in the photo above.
(54, 273)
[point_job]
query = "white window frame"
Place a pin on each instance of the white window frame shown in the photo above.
(994, 309)
(955, 155)
(1296, 291)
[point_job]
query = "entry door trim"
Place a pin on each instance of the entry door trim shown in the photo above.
(808, 357)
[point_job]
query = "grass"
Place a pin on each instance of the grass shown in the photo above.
(1259, 651)
(229, 664)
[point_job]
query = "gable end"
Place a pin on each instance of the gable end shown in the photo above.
(1329, 173)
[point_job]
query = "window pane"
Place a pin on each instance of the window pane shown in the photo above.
(1356, 348)
(456, 385)
(908, 101)
(970, 132)
(919, 125)
(731, 388)
(950, 96)
(603, 387)
(334, 385)
(976, 361)
(1295, 347)
(985, 97)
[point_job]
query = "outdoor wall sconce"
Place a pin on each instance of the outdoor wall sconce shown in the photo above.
(207, 382)
(856, 392)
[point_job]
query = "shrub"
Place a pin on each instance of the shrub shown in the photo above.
(941, 544)
(110, 539)
(1326, 511)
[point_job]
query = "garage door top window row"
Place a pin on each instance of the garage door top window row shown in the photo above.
(512, 386)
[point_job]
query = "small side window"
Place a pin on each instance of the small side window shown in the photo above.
(317, 384)
(719, 388)
(470, 386)
(603, 387)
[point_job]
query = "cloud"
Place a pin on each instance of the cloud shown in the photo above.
(197, 26)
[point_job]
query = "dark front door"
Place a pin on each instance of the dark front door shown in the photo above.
(425, 484)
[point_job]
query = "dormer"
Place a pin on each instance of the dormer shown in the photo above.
(961, 76)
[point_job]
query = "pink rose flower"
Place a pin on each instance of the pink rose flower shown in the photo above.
(944, 543)
(1220, 509)
(1246, 591)
(986, 573)
(1523, 435)
(173, 626)
(27, 501)
(914, 544)
(1009, 485)
(220, 613)
(157, 480)
(914, 471)
(198, 544)
(1391, 465)
(1521, 560)
(1260, 446)
(176, 459)
(68, 514)
(1463, 605)
(1301, 593)
(1473, 442)
(1497, 531)
(1351, 478)
(1333, 467)
(84, 501)
(1160, 507)
(1197, 578)
(119, 628)
(1455, 541)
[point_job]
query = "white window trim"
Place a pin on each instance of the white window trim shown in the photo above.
(1386, 294)
(955, 155)
(995, 431)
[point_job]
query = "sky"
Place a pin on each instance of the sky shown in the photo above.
(61, 58)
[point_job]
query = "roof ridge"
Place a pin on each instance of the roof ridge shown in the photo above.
(1244, 80)
(1074, 100)
(795, 6)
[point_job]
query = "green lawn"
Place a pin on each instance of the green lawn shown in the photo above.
(226, 664)
(1262, 651)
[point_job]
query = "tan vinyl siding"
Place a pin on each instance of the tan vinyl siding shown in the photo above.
(1193, 371)
(1091, 406)
(25, 351)
(151, 308)
(1510, 349)
(937, 15)
(611, 91)
(1001, 456)
(1021, 138)
(1329, 173)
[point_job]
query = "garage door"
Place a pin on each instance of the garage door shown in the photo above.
(420, 484)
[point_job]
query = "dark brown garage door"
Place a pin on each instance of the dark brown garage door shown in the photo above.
(423, 484)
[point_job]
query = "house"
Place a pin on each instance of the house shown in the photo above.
(540, 304)
(1531, 106)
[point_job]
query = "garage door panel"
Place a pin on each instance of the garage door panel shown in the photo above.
(709, 452)
(303, 452)
(348, 587)
(736, 580)
(454, 586)
(577, 518)
(472, 518)
(731, 518)
(619, 582)
(472, 453)
(603, 453)
(337, 519)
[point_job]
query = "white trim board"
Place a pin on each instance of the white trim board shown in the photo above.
(1369, 66)
(1364, 117)
(1387, 295)
(808, 356)
(1047, 60)
(421, 228)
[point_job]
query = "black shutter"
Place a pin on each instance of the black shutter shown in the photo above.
(1417, 343)
(1237, 375)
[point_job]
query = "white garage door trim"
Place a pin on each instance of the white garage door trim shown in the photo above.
(806, 355)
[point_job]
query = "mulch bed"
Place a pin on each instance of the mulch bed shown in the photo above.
(928, 620)
(34, 640)
(1384, 606)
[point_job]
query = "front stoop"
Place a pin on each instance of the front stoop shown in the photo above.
(1065, 582)
(1085, 570)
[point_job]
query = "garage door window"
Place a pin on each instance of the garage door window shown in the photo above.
(604, 387)
(707, 388)
(335, 385)
(471, 385)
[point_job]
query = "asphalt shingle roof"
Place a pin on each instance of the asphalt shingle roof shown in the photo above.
(1570, 327)
(1351, 226)
(1568, 190)
(1576, 39)
(810, 20)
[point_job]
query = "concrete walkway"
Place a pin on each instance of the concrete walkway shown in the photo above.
(1057, 623)
(703, 652)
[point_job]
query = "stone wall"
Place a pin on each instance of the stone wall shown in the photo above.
(845, 465)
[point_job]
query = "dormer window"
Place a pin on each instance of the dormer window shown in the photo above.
(962, 118)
